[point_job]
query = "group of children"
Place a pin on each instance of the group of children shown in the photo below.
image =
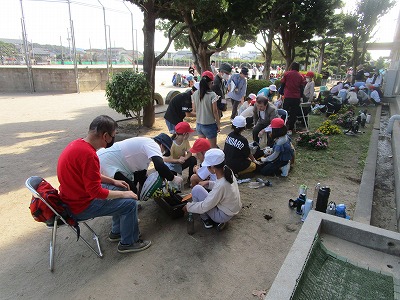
(212, 171)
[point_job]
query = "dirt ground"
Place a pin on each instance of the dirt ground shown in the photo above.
(231, 264)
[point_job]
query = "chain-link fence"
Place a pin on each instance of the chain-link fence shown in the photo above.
(58, 31)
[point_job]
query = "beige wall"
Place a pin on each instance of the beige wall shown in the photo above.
(15, 80)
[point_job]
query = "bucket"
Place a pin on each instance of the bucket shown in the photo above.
(368, 118)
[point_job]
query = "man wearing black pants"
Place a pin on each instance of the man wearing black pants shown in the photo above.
(293, 90)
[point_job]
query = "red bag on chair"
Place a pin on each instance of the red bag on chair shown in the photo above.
(42, 213)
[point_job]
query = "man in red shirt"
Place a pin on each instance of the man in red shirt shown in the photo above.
(90, 194)
(293, 91)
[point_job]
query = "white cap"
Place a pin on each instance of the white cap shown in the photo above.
(239, 122)
(352, 88)
(366, 74)
(272, 87)
(346, 85)
(213, 157)
(252, 96)
(362, 87)
(197, 85)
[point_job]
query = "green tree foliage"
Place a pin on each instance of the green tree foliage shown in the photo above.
(128, 92)
(299, 20)
(361, 23)
(211, 25)
(153, 10)
(7, 50)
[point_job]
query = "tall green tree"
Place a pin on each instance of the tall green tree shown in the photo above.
(300, 20)
(361, 23)
(212, 25)
(266, 23)
(7, 50)
(153, 10)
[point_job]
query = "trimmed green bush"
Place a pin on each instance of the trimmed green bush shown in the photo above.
(127, 93)
(253, 86)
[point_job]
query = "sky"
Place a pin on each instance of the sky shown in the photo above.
(47, 22)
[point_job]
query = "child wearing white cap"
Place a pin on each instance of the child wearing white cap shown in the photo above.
(352, 96)
(237, 151)
(223, 202)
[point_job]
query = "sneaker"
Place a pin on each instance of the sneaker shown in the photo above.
(135, 247)
(208, 223)
(285, 170)
(220, 226)
(114, 237)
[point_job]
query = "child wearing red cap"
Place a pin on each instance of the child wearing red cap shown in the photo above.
(201, 174)
(180, 157)
(278, 163)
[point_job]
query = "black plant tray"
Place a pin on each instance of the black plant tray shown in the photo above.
(172, 205)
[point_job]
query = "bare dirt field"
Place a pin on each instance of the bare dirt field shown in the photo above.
(246, 256)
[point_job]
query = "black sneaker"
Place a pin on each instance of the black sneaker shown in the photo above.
(114, 237)
(221, 226)
(208, 223)
(140, 245)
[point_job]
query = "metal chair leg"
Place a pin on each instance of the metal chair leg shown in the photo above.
(304, 118)
(98, 253)
(96, 238)
(53, 242)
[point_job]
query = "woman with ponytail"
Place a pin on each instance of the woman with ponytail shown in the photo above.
(205, 106)
(223, 202)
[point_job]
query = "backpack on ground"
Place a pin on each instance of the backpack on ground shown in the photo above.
(42, 213)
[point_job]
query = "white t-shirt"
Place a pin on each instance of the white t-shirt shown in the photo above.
(248, 112)
(128, 156)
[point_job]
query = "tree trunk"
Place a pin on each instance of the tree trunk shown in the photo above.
(321, 57)
(149, 65)
(268, 55)
(203, 57)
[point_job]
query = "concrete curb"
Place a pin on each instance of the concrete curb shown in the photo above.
(363, 209)
(394, 110)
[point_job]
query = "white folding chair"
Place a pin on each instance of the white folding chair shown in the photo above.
(283, 114)
(305, 117)
(32, 184)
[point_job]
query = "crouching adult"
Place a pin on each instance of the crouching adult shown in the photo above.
(128, 160)
(78, 171)
(263, 113)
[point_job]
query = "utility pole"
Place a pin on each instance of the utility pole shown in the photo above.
(27, 59)
(62, 52)
(133, 41)
(105, 36)
(91, 54)
(69, 45)
(73, 45)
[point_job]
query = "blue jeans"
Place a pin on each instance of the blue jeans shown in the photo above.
(171, 127)
(123, 212)
(210, 131)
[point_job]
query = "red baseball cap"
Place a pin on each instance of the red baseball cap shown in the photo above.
(277, 123)
(208, 74)
(200, 145)
(183, 127)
